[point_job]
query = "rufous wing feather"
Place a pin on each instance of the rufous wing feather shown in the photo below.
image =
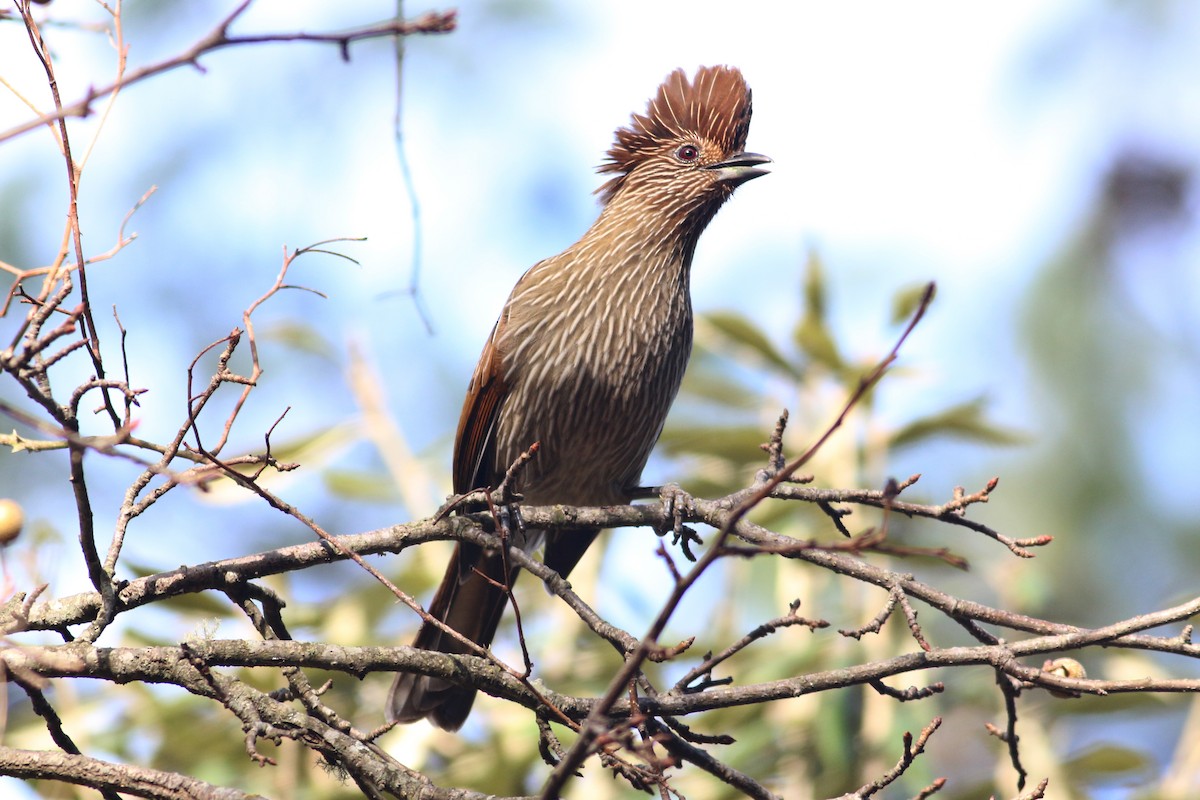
(474, 446)
(471, 597)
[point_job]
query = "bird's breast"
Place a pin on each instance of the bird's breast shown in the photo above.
(591, 376)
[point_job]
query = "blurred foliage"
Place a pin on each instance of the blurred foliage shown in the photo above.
(726, 410)
(739, 382)
(716, 436)
(1097, 360)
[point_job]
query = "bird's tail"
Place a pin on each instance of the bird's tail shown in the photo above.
(471, 601)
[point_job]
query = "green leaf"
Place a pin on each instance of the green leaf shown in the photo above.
(814, 286)
(963, 421)
(739, 443)
(299, 336)
(746, 336)
(371, 487)
(202, 604)
(704, 383)
(812, 334)
(1104, 761)
(816, 340)
(311, 450)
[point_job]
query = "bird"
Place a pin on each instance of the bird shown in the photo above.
(587, 356)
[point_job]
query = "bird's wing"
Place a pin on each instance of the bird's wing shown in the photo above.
(471, 597)
(476, 440)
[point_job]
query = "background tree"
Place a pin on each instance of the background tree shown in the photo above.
(234, 151)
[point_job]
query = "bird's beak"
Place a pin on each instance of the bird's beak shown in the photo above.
(739, 168)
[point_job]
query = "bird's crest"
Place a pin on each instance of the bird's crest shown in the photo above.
(715, 107)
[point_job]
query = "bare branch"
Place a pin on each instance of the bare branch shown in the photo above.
(219, 37)
(912, 749)
(109, 777)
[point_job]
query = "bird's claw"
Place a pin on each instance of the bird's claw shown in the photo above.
(510, 521)
(679, 504)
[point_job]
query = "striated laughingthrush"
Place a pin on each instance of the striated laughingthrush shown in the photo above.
(587, 356)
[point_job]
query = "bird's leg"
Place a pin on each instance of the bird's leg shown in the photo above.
(511, 529)
(509, 521)
(510, 525)
(503, 504)
(678, 504)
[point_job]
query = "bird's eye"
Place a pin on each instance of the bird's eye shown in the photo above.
(687, 153)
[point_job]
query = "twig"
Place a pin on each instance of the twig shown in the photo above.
(685, 751)
(218, 37)
(41, 706)
(594, 724)
(950, 512)
(912, 749)
(710, 662)
(1009, 690)
(413, 289)
(108, 777)
(1036, 793)
(91, 333)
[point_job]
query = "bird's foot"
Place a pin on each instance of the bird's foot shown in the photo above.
(678, 504)
(510, 524)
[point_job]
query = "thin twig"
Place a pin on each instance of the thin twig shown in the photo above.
(594, 724)
(218, 37)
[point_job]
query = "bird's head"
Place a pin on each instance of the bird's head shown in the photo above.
(688, 149)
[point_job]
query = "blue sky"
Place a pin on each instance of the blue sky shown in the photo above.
(929, 141)
(962, 143)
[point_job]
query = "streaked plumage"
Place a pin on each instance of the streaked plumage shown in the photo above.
(589, 352)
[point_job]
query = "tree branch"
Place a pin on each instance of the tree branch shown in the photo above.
(219, 37)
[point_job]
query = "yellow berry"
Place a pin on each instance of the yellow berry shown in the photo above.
(1064, 668)
(12, 518)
